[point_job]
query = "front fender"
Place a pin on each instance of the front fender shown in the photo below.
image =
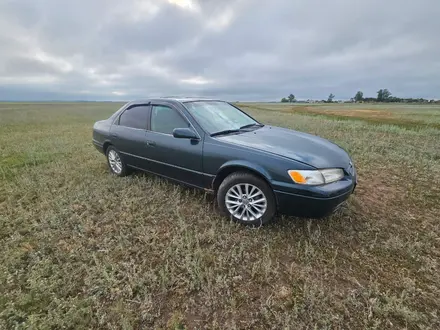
(247, 165)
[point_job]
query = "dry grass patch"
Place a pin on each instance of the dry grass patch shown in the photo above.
(403, 116)
(84, 249)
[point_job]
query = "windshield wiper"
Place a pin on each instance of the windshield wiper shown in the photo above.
(251, 125)
(230, 131)
(226, 131)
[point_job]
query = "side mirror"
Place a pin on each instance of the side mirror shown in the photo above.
(185, 133)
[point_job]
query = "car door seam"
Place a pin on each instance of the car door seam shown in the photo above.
(168, 164)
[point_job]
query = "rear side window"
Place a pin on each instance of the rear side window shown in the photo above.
(135, 117)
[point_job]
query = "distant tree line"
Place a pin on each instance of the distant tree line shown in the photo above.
(383, 95)
(291, 99)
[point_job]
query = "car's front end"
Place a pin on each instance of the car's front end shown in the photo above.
(309, 175)
(320, 199)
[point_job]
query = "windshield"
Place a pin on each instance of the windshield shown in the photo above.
(217, 116)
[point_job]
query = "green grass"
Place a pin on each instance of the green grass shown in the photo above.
(403, 115)
(84, 249)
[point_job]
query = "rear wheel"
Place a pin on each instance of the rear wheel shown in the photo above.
(246, 199)
(115, 162)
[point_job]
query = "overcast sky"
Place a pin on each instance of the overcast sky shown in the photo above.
(231, 49)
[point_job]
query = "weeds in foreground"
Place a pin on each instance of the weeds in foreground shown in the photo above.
(84, 249)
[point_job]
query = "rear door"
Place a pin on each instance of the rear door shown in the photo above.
(179, 159)
(127, 134)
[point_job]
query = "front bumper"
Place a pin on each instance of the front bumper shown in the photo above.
(291, 204)
(313, 201)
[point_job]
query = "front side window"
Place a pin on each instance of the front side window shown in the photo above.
(216, 116)
(136, 117)
(165, 119)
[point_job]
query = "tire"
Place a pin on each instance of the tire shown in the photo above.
(113, 155)
(233, 205)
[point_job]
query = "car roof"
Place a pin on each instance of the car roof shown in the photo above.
(174, 99)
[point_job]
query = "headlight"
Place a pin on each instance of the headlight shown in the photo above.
(317, 177)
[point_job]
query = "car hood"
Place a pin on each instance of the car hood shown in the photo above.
(302, 147)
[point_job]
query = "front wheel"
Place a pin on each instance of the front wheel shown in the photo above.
(247, 199)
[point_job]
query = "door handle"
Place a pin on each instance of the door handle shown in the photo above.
(151, 143)
(114, 135)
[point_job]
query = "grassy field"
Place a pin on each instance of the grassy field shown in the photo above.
(84, 249)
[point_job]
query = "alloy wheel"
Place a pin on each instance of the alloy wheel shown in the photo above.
(115, 161)
(246, 202)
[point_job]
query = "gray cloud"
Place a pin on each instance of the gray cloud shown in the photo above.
(234, 49)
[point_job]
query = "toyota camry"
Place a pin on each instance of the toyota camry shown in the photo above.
(255, 170)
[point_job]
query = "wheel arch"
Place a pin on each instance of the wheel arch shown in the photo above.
(239, 166)
(105, 146)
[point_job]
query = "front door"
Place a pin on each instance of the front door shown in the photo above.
(179, 159)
